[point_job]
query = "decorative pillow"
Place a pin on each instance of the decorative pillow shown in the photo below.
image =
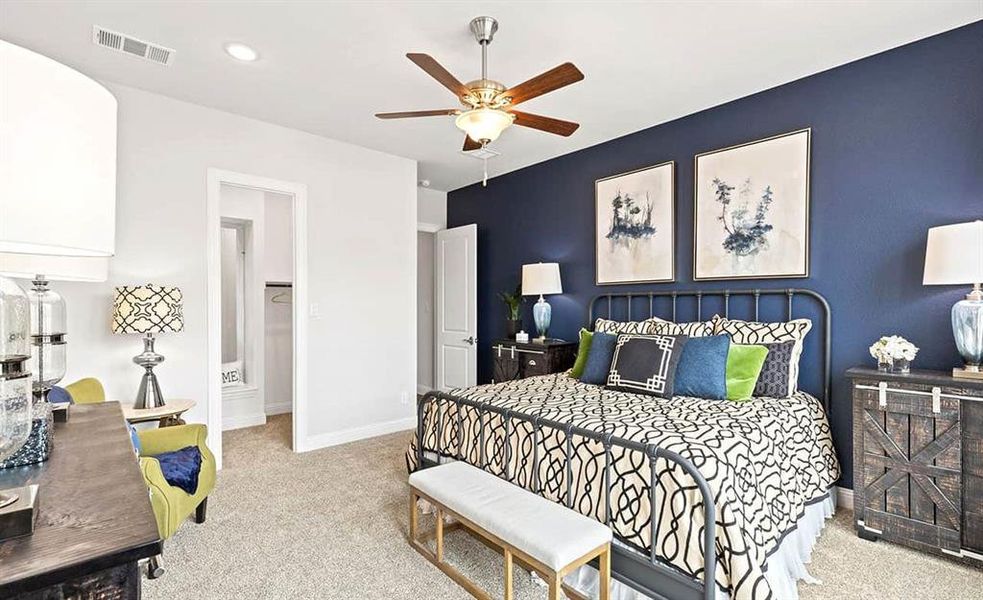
(181, 467)
(646, 364)
(578, 365)
(753, 332)
(774, 377)
(134, 439)
(59, 395)
(599, 358)
(690, 329)
(702, 369)
(743, 366)
(633, 327)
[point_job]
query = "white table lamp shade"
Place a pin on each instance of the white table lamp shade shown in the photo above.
(540, 279)
(57, 158)
(55, 268)
(954, 254)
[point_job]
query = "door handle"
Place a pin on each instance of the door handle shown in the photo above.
(470, 340)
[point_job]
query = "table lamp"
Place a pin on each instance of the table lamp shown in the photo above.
(954, 256)
(538, 280)
(148, 309)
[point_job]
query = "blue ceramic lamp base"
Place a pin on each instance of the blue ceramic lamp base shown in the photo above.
(541, 313)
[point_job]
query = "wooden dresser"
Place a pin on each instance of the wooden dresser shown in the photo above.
(918, 460)
(514, 360)
(94, 521)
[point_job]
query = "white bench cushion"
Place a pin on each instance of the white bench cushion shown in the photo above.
(549, 532)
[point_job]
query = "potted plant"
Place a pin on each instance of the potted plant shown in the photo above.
(513, 302)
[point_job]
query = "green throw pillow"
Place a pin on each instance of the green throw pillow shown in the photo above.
(744, 364)
(582, 352)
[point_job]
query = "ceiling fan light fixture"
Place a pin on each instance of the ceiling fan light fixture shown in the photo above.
(484, 124)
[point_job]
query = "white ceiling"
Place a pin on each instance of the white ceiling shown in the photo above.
(327, 67)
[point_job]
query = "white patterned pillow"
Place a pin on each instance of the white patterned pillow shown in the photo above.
(690, 329)
(632, 327)
(754, 332)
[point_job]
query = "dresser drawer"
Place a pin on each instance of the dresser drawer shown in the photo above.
(535, 365)
(517, 360)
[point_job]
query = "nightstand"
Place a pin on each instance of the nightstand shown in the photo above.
(918, 460)
(514, 360)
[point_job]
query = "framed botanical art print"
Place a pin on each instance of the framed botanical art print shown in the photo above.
(634, 236)
(751, 210)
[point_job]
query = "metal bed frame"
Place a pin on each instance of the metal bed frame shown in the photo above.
(649, 575)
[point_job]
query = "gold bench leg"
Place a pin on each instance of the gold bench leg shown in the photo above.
(440, 535)
(413, 515)
(556, 587)
(604, 566)
(508, 574)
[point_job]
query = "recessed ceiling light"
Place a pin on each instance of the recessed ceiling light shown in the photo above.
(241, 52)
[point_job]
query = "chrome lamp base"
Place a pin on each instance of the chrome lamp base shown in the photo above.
(148, 396)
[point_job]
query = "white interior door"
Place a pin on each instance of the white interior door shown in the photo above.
(457, 307)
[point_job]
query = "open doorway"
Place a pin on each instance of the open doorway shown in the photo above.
(257, 306)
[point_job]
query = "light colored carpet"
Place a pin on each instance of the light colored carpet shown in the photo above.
(331, 524)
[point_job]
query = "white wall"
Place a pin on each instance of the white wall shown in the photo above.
(424, 311)
(362, 260)
(431, 207)
(279, 238)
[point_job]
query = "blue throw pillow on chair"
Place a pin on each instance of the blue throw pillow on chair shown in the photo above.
(181, 467)
(702, 368)
(599, 358)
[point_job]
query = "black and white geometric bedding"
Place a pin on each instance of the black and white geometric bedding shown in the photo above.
(764, 459)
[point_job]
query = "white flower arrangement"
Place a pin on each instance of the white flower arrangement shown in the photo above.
(892, 347)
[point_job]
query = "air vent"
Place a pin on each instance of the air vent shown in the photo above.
(132, 46)
(481, 153)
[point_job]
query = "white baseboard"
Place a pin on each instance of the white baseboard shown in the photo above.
(279, 408)
(844, 498)
(230, 422)
(335, 438)
(422, 388)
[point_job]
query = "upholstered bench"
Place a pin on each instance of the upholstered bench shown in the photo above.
(541, 535)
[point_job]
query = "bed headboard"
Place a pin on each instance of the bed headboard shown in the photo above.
(746, 304)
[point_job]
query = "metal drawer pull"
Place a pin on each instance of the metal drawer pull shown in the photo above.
(882, 393)
(936, 400)
(532, 363)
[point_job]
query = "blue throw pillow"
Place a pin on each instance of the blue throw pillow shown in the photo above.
(59, 395)
(134, 439)
(702, 369)
(599, 358)
(181, 467)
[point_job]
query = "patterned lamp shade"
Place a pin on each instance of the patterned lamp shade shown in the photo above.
(148, 309)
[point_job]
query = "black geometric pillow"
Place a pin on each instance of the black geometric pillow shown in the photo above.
(774, 377)
(602, 325)
(645, 364)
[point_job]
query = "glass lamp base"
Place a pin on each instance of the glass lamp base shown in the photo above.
(541, 313)
(967, 329)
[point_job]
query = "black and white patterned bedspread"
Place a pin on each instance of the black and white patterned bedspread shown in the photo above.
(764, 459)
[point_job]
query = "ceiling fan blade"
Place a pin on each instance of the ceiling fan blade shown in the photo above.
(433, 68)
(545, 83)
(548, 124)
(470, 144)
(418, 113)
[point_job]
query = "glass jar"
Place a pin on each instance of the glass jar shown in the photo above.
(49, 322)
(15, 378)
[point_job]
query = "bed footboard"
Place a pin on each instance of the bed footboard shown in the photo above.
(649, 575)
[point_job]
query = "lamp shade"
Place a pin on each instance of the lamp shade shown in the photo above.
(55, 268)
(57, 158)
(148, 309)
(954, 254)
(540, 279)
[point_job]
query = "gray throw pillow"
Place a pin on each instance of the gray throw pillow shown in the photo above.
(773, 381)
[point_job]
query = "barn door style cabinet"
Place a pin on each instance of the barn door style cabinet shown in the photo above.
(518, 360)
(918, 461)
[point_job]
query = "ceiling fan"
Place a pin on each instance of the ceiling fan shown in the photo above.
(487, 103)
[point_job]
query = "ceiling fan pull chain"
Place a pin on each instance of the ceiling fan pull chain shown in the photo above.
(484, 181)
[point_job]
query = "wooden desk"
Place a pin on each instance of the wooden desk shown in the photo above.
(95, 520)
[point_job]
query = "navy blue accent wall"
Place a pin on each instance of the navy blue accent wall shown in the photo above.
(897, 147)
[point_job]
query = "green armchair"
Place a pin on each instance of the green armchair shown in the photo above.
(173, 505)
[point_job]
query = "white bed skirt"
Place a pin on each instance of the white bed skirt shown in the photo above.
(785, 567)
